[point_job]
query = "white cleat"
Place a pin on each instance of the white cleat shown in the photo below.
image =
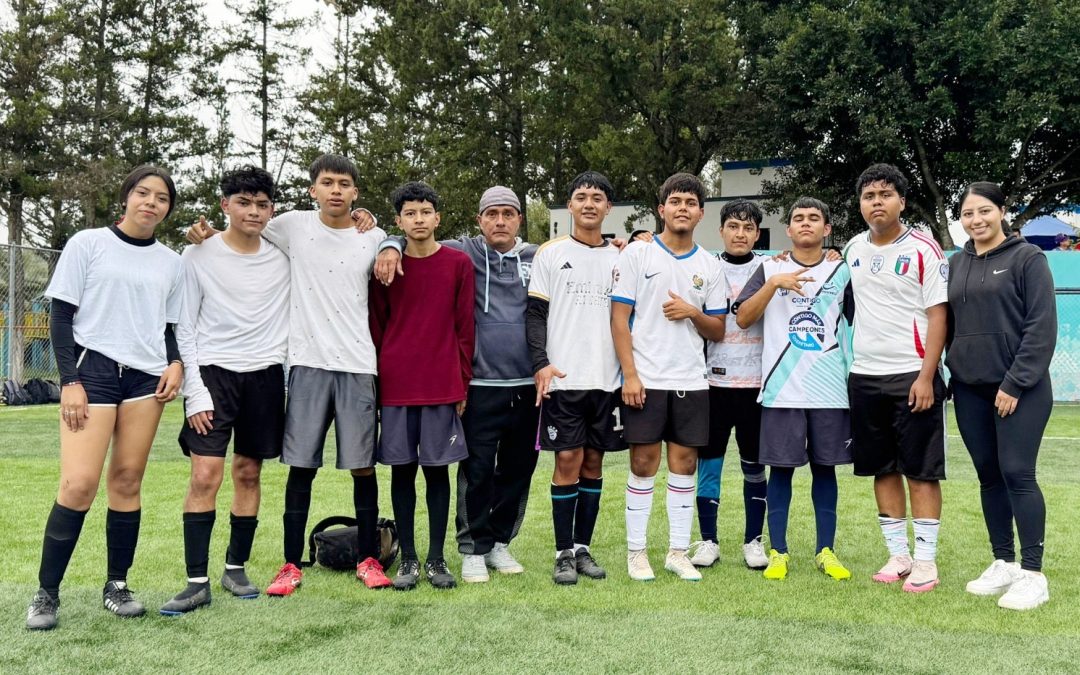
(754, 555)
(637, 564)
(677, 562)
(706, 553)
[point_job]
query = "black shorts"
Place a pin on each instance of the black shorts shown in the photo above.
(887, 436)
(108, 383)
(791, 437)
(575, 419)
(674, 416)
(737, 409)
(249, 408)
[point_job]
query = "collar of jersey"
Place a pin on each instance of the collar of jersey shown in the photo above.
(870, 238)
(600, 245)
(672, 254)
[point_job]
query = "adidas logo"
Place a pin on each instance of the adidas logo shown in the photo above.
(856, 263)
(567, 266)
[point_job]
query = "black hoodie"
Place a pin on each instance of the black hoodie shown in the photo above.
(1002, 316)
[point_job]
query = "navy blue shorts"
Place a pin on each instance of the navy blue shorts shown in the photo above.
(429, 434)
(791, 437)
(108, 383)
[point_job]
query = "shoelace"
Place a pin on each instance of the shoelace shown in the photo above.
(439, 567)
(121, 595)
(637, 556)
(43, 601)
(829, 559)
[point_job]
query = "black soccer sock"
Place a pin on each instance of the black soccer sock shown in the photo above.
(198, 525)
(755, 490)
(121, 538)
(403, 499)
(437, 479)
(191, 589)
(588, 507)
(62, 531)
(365, 497)
(297, 505)
(707, 510)
(241, 537)
(563, 505)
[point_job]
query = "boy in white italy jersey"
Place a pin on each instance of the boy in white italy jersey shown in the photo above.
(668, 297)
(233, 335)
(577, 374)
(900, 280)
(804, 367)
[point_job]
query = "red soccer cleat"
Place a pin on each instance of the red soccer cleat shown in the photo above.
(287, 580)
(371, 573)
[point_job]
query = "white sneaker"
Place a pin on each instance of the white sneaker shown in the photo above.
(637, 564)
(473, 569)
(1027, 592)
(678, 563)
(754, 554)
(706, 553)
(500, 560)
(996, 579)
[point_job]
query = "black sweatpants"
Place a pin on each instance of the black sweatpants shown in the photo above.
(493, 483)
(1004, 451)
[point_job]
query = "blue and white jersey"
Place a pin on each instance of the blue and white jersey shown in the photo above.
(668, 354)
(807, 352)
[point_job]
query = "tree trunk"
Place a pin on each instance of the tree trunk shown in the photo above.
(15, 339)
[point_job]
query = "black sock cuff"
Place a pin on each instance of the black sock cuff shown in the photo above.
(300, 479)
(591, 483)
(200, 516)
(69, 513)
(564, 490)
(123, 516)
(242, 520)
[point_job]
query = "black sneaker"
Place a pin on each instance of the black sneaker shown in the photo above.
(565, 569)
(586, 565)
(439, 574)
(408, 575)
(196, 595)
(118, 599)
(236, 582)
(43, 610)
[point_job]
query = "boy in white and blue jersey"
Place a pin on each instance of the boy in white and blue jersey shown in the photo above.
(668, 297)
(804, 366)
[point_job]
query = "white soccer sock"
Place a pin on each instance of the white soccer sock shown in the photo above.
(895, 533)
(639, 491)
(926, 534)
(233, 567)
(580, 547)
(680, 510)
(198, 580)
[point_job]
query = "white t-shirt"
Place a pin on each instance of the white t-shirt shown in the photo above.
(575, 279)
(125, 294)
(330, 270)
(736, 361)
(805, 360)
(894, 285)
(668, 355)
(236, 313)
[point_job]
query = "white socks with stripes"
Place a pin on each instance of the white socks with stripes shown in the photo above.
(681, 491)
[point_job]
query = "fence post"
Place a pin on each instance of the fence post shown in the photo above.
(11, 313)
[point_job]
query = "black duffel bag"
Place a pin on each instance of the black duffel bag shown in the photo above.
(337, 548)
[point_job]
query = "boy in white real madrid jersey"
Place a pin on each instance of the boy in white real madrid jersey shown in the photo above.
(668, 297)
(900, 280)
(577, 374)
(804, 366)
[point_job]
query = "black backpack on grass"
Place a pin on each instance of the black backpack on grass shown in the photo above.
(14, 394)
(39, 392)
(337, 548)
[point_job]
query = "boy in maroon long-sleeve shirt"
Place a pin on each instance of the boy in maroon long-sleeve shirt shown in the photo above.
(424, 333)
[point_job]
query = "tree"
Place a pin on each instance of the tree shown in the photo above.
(950, 92)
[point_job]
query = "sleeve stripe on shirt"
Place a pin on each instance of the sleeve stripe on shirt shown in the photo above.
(929, 241)
(625, 301)
(716, 312)
(540, 296)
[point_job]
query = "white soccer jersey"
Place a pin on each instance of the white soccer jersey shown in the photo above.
(736, 362)
(125, 294)
(236, 313)
(805, 360)
(668, 354)
(575, 279)
(330, 270)
(894, 284)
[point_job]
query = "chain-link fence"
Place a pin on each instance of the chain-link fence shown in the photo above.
(1065, 368)
(25, 350)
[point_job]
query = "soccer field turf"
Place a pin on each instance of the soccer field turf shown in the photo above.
(732, 621)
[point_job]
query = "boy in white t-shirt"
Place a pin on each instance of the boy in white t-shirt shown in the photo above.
(668, 298)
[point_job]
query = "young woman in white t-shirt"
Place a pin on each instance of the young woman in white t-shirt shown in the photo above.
(115, 293)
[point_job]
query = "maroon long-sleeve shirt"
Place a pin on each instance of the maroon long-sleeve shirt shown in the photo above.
(424, 330)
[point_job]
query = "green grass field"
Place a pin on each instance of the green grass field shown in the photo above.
(733, 621)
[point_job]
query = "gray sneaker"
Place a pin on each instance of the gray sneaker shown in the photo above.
(565, 569)
(43, 612)
(118, 599)
(237, 582)
(191, 598)
(473, 569)
(587, 565)
(500, 560)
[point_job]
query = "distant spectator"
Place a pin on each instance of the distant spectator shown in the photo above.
(1064, 243)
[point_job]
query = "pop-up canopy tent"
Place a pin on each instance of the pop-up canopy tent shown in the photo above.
(1045, 230)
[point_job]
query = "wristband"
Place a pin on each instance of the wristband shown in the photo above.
(68, 384)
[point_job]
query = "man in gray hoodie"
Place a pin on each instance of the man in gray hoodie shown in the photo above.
(500, 419)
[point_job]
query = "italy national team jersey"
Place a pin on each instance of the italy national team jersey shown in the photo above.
(736, 361)
(575, 279)
(668, 354)
(894, 285)
(805, 358)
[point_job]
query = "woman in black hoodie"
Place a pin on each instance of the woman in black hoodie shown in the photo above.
(1002, 332)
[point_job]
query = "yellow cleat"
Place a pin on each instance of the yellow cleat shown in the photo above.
(828, 563)
(777, 568)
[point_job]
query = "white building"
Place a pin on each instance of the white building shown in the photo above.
(741, 180)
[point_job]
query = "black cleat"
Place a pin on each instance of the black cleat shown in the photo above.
(565, 569)
(43, 611)
(196, 595)
(586, 565)
(236, 582)
(118, 599)
(439, 574)
(408, 575)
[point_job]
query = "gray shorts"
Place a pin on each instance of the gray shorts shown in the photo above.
(792, 437)
(429, 434)
(318, 397)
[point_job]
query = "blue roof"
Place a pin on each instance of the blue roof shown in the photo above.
(1046, 226)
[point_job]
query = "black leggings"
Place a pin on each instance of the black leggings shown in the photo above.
(1004, 451)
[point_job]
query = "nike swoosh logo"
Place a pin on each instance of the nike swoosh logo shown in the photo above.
(1000, 271)
(650, 276)
(922, 583)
